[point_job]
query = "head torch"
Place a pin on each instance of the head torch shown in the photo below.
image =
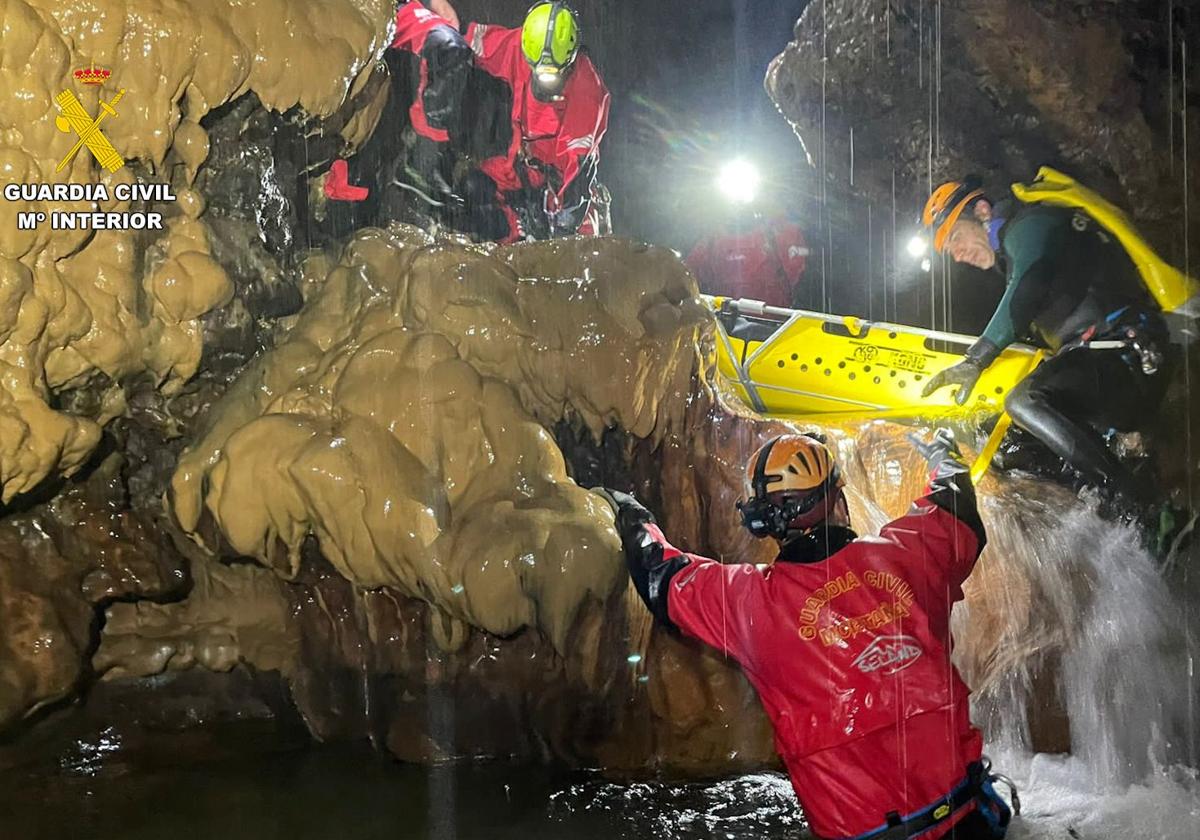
(549, 81)
(763, 517)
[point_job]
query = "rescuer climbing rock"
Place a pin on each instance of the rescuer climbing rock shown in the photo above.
(821, 632)
(538, 173)
(410, 149)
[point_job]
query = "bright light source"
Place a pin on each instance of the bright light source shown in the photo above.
(926, 265)
(547, 77)
(739, 181)
(918, 246)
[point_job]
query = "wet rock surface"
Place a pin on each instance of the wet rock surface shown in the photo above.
(932, 91)
(60, 561)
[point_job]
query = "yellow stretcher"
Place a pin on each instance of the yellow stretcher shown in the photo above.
(791, 363)
(794, 364)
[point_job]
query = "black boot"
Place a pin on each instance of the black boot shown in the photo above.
(423, 172)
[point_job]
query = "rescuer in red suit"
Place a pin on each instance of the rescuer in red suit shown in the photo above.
(762, 260)
(846, 639)
(538, 172)
(430, 59)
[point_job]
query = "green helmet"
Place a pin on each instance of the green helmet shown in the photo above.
(550, 42)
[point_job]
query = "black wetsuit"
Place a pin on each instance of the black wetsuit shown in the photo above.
(1070, 282)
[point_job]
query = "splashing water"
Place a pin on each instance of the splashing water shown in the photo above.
(1082, 598)
(1066, 610)
(732, 809)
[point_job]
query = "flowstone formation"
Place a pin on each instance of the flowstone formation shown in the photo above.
(398, 421)
(101, 331)
(90, 310)
(389, 460)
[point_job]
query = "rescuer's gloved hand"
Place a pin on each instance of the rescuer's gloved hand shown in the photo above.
(607, 495)
(941, 448)
(964, 374)
(629, 511)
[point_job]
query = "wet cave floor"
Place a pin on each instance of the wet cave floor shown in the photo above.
(255, 781)
(243, 792)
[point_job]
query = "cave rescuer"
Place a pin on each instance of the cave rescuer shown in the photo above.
(429, 57)
(761, 256)
(1070, 283)
(846, 639)
(537, 176)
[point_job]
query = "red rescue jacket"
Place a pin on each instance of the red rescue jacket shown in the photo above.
(564, 136)
(414, 25)
(850, 655)
(763, 263)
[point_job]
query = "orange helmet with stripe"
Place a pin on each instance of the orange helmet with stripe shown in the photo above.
(947, 204)
(792, 484)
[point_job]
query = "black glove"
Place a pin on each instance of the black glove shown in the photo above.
(943, 446)
(950, 485)
(966, 373)
(607, 495)
(575, 201)
(629, 511)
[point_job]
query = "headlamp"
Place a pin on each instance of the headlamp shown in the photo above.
(739, 180)
(918, 246)
(548, 83)
(763, 517)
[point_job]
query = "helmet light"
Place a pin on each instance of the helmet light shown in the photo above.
(739, 181)
(918, 246)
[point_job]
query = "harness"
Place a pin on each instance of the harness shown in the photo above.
(1120, 332)
(977, 787)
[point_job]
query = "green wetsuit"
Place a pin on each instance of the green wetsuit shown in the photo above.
(1070, 280)
(1066, 274)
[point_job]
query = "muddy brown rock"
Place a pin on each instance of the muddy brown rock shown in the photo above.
(58, 562)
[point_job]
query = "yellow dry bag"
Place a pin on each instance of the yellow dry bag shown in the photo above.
(1171, 288)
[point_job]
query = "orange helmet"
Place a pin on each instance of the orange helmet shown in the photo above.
(802, 469)
(946, 204)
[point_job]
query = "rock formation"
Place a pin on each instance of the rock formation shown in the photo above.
(891, 95)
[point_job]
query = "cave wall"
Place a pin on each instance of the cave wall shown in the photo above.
(932, 91)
